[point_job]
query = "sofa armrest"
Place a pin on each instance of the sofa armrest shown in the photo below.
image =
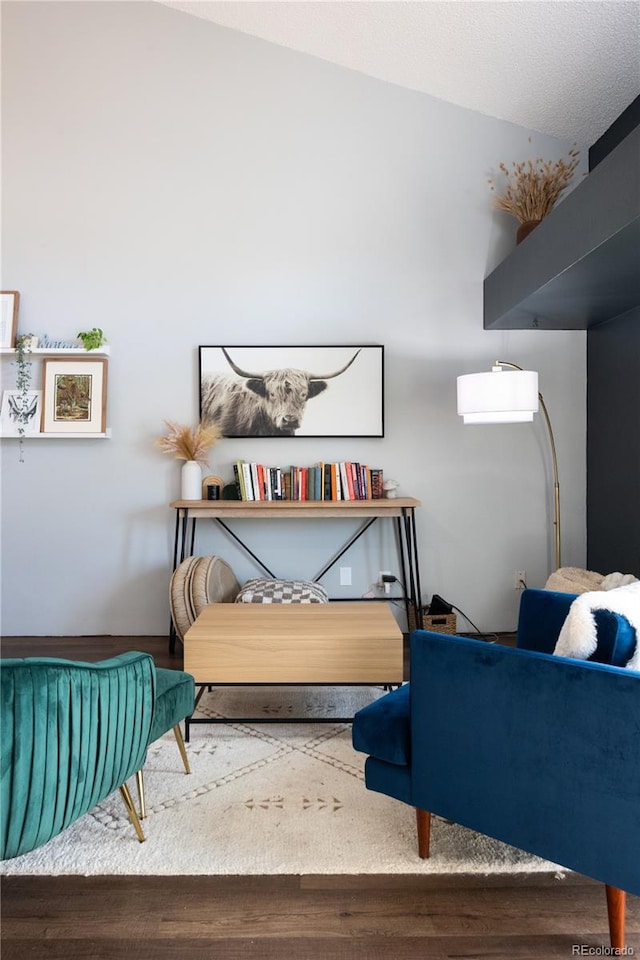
(538, 751)
(543, 613)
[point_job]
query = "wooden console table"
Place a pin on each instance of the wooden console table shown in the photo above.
(400, 509)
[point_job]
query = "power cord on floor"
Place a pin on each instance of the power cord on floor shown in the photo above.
(390, 578)
(488, 637)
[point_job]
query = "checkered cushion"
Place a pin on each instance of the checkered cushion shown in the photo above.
(282, 591)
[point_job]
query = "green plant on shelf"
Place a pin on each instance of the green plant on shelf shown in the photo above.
(92, 339)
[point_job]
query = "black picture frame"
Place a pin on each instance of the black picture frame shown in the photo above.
(310, 391)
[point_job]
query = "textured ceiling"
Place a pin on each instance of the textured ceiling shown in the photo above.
(567, 69)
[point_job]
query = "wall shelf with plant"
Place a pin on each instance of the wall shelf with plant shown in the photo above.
(71, 403)
(21, 410)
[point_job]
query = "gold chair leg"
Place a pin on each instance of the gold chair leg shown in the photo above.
(131, 810)
(141, 798)
(181, 747)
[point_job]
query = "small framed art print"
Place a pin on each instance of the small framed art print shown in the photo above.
(74, 396)
(21, 412)
(9, 303)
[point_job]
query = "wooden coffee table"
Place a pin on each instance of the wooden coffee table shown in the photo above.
(350, 644)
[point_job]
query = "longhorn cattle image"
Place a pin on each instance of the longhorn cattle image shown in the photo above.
(268, 403)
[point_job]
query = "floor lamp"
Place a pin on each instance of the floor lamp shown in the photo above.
(509, 396)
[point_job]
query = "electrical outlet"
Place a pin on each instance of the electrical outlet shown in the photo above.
(386, 579)
(519, 579)
(345, 576)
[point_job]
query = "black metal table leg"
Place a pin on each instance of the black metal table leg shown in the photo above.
(416, 567)
(403, 566)
(188, 720)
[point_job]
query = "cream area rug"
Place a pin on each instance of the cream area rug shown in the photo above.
(274, 798)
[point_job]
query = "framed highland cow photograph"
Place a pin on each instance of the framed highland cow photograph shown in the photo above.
(290, 391)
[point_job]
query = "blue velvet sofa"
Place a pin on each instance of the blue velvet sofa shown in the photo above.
(538, 751)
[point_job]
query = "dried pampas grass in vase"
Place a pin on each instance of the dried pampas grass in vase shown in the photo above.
(191, 444)
(533, 188)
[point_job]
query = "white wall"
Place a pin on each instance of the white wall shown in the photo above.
(178, 184)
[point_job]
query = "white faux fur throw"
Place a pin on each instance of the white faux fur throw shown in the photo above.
(578, 637)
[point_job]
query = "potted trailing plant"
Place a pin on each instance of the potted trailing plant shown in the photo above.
(191, 444)
(92, 339)
(533, 187)
(24, 346)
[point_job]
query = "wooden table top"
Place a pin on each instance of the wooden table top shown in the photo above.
(350, 642)
(291, 509)
(370, 619)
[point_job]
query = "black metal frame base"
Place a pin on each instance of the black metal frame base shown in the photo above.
(191, 720)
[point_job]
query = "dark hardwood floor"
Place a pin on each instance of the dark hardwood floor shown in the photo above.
(91, 649)
(303, 918)
(292, 917)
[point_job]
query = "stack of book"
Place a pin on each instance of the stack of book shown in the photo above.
(324, 481)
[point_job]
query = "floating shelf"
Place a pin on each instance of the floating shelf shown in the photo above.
(581, 265)
(58, 352)
(58, 436)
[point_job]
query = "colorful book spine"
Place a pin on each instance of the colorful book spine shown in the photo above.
(376, 483)
(237, 472)
(248, 481)
(327, 493)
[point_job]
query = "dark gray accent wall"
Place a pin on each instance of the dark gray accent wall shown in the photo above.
(613, 445)
(621, 128)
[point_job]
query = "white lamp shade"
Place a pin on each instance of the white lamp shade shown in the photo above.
(501, 396)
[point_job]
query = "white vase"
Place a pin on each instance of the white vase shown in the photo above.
(191, 481)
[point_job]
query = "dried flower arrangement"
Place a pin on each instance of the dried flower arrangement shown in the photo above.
(534, 186)
(189, 443)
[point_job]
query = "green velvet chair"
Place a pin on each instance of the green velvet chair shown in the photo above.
(72, 733)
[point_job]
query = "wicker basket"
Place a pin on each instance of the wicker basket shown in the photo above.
(438, 623)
